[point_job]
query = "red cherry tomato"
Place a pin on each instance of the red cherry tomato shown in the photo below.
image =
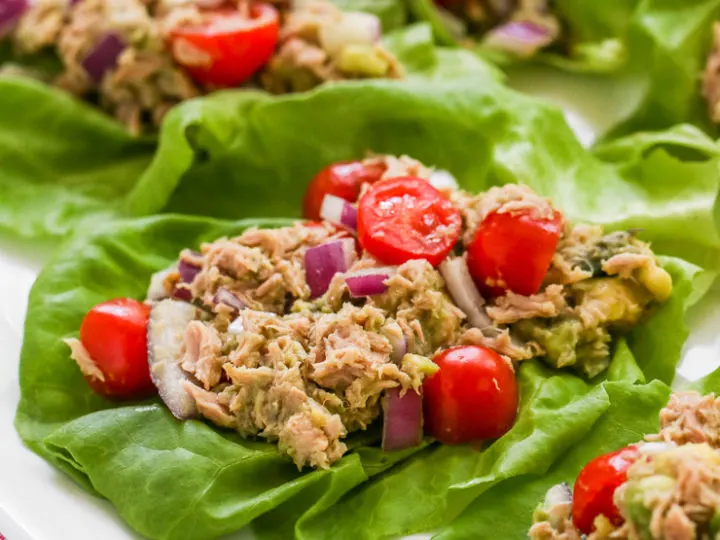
(115, 335)
(596, 485)
(228, 48)
(473, 396)
(406, 218)
(513, 251)
(342, 180)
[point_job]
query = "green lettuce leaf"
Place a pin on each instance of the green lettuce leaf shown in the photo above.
(61, 160)
(632, 412)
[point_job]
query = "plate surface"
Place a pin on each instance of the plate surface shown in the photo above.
(39, 503)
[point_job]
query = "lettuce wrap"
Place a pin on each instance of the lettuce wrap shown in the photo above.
(648, 54)
(174, 480)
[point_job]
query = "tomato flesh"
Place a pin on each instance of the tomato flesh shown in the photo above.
(114, 333)
(228, 48)
(596, 485)
(473, 396)
(343, 180)
(406, 218)
(513, 251)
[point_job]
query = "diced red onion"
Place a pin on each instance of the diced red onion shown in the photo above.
(522, 38)
(104, 56)
(187, 271)
(464, 292)
(353, 28)
(224, 296)
(443, 180)
(402, 421)
(369, 282)
(339, 211)
(181, 292)
(10, 13)
(324, 261)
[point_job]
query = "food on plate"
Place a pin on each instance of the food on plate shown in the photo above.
(138, 58)
(403, 296)
(666, 487)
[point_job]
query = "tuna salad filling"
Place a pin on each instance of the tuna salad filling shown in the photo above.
(669, 487)
(138, 58)
(304, 334)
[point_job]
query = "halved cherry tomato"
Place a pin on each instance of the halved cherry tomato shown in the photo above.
(228, 48)
(473, 396)
(406, 218)
(343, 180)
(513, 251)
(596, 485)
(115, 335)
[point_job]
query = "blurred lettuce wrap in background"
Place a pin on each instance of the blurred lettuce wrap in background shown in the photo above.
(187, 480)
(650, 55)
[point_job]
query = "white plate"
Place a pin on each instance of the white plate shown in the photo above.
(39, 503)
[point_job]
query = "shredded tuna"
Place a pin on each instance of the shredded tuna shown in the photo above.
(202, 356)
(624, 264)
(690, 418)
(208, 404)
(502, 342)
(41, 25)
(557, 525)
(83, 359)
(416, 292)
(513, 307)
(402, 166)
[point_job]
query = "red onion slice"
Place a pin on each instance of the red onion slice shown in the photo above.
(402, 421)
(369, 282)
(353, 28)
(224, 296)
(522, 38)
(324, 261)
(10, 13)
(187, 271)
(181, 292)
(103, 57)
(464, 292)
(339, 211)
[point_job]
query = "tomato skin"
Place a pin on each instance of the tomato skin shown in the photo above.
(473, 396)
(343, 179)
(236, 47)
(406, 218)
(596, 485)
(513, 251)
(115, 335)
